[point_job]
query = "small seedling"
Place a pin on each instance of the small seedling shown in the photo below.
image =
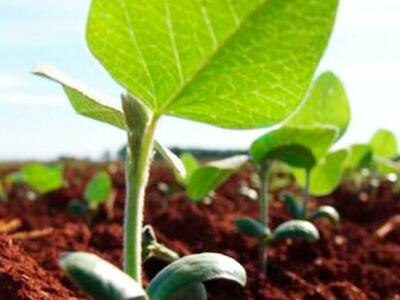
(369, 163)
(145, 48)
(41, 178)
(97, 191)
(322, 179)
(201, 180)
(294, 229)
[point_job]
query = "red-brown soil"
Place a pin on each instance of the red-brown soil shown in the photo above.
(361, 260)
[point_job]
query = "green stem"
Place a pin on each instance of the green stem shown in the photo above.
(306, 193)
(264, 173)
(141, 127)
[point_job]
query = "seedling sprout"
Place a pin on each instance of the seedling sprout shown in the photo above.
(41, 178)
(145, 48)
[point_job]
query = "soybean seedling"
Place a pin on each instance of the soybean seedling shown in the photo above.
(201, 180)
(326, 104)
(41, 178)
(293, 145)
(302, 141)
(144, 47)
(98, 190)
(370, 162)
(320, 180)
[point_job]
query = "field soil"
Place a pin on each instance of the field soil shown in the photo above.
(358, 261)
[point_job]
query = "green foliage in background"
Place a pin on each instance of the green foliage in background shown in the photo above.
(200, 180)
(42, 178)
(326, 175)
(98, 189)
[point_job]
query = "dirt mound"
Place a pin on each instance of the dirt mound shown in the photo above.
(22, 278)
(355, 262)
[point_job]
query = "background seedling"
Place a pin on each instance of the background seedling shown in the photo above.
(369, 163)
(144, 47)
(98, 190)
(200, 180)
(326, 105)
(41, 178)
(303, 140)
(294, 229)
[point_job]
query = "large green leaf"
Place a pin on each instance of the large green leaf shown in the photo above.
(326, 104)
(326, 175)
(194, 269)
(98, 189)
(384, 144)
(99, 279)
(40, 177)
(302, 147)
(211, 175)
(239, 64)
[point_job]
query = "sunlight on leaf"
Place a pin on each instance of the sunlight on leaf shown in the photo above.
(233, 64)
(326, 104)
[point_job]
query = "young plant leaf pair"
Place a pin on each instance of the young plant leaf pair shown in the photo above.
(303, 142)
(101, 280)
(196, 60)
(294, 229)
(298, 211)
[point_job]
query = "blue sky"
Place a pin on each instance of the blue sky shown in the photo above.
(36, 121)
